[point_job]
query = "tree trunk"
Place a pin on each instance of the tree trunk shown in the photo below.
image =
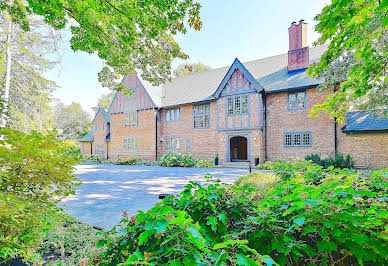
(7, 75)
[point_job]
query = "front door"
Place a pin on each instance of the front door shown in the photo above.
(238, 149)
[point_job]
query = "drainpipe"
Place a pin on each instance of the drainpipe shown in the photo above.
(265, 126)
(156, 134)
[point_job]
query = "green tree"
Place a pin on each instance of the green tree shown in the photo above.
(36, 173)
(187, 68)
(356, 61)
(127, 35)
(104, 101)
(27, 93)
(71, 121)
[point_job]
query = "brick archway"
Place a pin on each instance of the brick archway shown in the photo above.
(238, 149)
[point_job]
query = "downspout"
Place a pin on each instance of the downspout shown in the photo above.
(265, 126)
(156, 134)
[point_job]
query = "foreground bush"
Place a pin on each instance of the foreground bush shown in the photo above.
(307, 215)
(338, 161)
(69, 242)
(91, 158)
(128, 161)
(36, 172)
(173, 159)
(201, 225)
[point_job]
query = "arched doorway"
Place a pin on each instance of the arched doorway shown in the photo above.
(238, 149)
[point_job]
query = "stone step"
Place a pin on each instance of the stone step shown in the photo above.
(239, 165)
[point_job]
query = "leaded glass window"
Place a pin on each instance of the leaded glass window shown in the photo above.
(297, 100)
(201, 116)
(238, 105)
(130, 118)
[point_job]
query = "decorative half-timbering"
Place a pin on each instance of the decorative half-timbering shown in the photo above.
(134, 98)
(239, 104)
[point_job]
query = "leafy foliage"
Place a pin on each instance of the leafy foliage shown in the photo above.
(69, 242)
(71, 121)
(339, 219)
(259, 181)
(173, 159)
(338, 161)
(127, 35)
(104, 101)
(357, 32)
(265, 166)
(91, 158)
(32, 54)
(201, 225)
(129, 161)
(36, 172)
(187, 68)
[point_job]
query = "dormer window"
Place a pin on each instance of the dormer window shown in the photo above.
(297, 100)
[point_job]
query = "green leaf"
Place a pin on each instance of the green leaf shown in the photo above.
(299, 221)
(143, 237)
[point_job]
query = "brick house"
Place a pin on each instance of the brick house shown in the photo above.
(257, 109)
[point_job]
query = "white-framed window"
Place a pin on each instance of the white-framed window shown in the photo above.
(131, 143)
(297, 139)
(130, 118)
(201, 116)
(297, 100)
(237, 105)
(172, 143)
(173, 114)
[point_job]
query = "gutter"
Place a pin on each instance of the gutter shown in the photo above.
(293, 89)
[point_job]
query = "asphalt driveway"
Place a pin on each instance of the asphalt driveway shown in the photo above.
(108, 190)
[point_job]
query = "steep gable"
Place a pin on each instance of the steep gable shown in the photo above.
(237, 80)
(139, 99)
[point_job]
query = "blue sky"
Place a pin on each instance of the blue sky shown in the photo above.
(247, 29)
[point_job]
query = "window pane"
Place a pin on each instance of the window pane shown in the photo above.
(297, 139)
(230, 106)
(244, 105)
(237, 105)
(301, 97)
(196, 122)
(168, 115)
(195, 110)
(207, 121)
(306, 139)
(292, 100)
(178, 114)
(288, 140)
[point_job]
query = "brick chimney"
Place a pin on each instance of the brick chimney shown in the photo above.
(298, 54)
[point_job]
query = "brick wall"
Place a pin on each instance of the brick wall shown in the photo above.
(86, 148)
(144, 131)
(203, 142)
(366, 149)
(99, 133)
(281, 120)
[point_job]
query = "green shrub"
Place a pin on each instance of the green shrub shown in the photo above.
(91, 158)
(128, 161)
(70, 241)
(265, 166)
(259, 181)
(36, 173)
(204, 163)
(339, 221)
(173, 159)
(338, 161)
(311, 216)
(201, 225)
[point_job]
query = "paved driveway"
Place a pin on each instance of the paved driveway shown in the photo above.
(108, 190)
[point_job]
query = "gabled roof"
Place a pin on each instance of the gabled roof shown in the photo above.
(270, 72)
(364, 121)
(104, 114)
(88, 137)
(237, 65)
